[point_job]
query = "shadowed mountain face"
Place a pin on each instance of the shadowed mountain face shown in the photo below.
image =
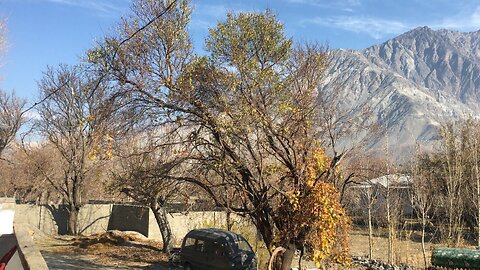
(412, 84)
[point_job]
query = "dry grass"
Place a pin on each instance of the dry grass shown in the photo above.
(408, 250)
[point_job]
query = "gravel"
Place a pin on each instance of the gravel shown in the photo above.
(379, 265)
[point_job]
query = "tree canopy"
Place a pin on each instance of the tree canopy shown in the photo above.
(245, 114)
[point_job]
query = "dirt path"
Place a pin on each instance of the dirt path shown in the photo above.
(67, 261)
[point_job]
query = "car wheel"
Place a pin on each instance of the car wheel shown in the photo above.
(187, 266)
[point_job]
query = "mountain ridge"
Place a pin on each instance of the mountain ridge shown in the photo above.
(412, 83)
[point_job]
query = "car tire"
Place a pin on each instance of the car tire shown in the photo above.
(187, 266)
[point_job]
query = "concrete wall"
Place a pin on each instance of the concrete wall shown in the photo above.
(51, 219)
(31, 257)
(181, 224)
(129, 218)
(14, 235)
(98, 218)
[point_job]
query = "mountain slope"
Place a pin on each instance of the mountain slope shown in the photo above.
(411, 85)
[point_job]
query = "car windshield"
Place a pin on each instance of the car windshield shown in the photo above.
(243, 245)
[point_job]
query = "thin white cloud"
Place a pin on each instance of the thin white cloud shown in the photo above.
(32, 115)
(103, 7)
(327, 2)
(346, 5)
(374, 27)
(213, 11)
(205, 16)
(466, 21)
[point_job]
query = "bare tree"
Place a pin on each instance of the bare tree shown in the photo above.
(422, 199)
(11, 118)
(454, 189)
(72, 121)
(36, 166)
(370, 194)
(475, 176)
(147, 166)
(10, 105)
(454, 182)
(344, 131)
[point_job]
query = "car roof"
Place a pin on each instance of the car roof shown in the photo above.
(214, 234)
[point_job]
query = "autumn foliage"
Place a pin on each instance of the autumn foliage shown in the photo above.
(246, 112)
(312, 211)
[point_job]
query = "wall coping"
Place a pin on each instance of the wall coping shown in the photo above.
(31, 256)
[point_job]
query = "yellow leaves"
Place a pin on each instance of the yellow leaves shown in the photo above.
(294, 199)
(329, 239)
(287, 107)
(85, 120)
(272, 248)
(96, 151)
(271, 169)
(92, 155)
(108, 155)
(317, 164)
(320, 159)
(108, 151)
(315, 210)
(94, 55)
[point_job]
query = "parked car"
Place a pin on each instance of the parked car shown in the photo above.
(216, 249)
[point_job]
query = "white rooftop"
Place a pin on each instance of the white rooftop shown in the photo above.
(392, 180)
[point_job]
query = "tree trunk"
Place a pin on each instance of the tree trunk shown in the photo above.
(423, 240)
(275, 259)
(302, 250)
(229, 220)
(478, 214)
(264, 227)
(282, 258)
(72, 228)
(370, 233)
(287, 258)
(160, 214)
(389, 225)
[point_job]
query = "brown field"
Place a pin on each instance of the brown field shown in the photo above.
(408, 248)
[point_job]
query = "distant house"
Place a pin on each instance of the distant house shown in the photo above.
(393, 181)
(399, 186)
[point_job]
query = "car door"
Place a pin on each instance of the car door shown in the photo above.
(220, 256)
(188, 250)
(215, 257)
(201, 258)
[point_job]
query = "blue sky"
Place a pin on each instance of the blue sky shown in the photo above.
(49, 32)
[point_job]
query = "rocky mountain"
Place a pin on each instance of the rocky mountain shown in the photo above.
(410, 84)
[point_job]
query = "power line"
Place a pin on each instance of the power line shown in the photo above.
(114, 55)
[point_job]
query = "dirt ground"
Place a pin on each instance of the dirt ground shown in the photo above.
(131, 250)
(108, 251)
(111, 250)
(406, 251)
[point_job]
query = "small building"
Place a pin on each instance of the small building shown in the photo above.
(375, 191)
